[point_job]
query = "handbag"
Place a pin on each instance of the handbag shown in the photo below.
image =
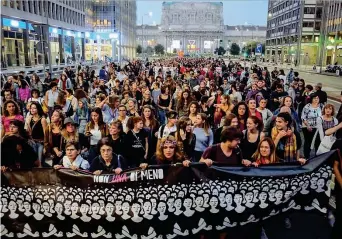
(326, 144)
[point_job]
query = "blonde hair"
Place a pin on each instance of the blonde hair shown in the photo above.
(160, 154)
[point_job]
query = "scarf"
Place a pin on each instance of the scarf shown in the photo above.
(288, 144)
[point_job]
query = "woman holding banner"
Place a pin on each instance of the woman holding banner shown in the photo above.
(169, 153)
(107, 161)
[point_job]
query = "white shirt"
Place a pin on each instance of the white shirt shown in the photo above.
(166, 131)
(96, 135)
(78, 162)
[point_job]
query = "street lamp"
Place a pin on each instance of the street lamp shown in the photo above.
(149, 14)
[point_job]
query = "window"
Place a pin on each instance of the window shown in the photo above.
(308, 24)
(319, 13)
(309, 10)
(317, 26)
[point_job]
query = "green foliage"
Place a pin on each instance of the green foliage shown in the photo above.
(220, 51)
(159, 49)
(139, 49)
(235, 49)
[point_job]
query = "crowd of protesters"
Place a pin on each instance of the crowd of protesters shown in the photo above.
(165, 111)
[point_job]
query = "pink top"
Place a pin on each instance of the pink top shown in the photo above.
(6, 121)
(24, 94)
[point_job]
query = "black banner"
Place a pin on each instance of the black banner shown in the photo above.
(159, 202)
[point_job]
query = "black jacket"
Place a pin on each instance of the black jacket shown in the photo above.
(99, 164)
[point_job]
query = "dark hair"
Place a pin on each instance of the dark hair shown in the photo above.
(39, 108)
(257, 121)
(309, 87)
(4, 110)
(163, 89)
(21, 130)
(236, 110)
(98, 111)
(227, 121)
(312, 96)
(35, 91)
(230, 133)
(70, 91)
(53, 84)
(103, 142)
(286, 117)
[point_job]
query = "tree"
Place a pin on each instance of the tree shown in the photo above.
(235, 49)
(139, 49)
(159, 49)
(149, 50)
(220, 51)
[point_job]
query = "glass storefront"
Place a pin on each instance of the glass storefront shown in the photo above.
(13, 47)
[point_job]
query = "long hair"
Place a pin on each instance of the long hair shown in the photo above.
(236, 111)
(40, 111)
(36, 78)
(152, 116)
(181, 100)
(258, 122)
(206, 125)
(181, 125)
(160, 154)
(16, 111)
(197, 107)
(272, 158)
(61, 98)
(98, 111)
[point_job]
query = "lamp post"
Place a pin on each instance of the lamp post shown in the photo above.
(149, 14)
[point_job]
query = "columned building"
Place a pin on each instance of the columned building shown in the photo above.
(196, 28)
(293, 31)
(192, 27)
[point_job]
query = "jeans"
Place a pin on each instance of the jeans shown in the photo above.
(38, 148)
(82, 126)
(162, 116)
(308, 136)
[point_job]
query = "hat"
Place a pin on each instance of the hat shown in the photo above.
(69, 121)
(171, 115)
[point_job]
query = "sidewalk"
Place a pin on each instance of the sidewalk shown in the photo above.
(301, 68)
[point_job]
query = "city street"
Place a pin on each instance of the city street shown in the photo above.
(331, 84)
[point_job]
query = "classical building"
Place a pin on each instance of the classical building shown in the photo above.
(293, 31)
(188, 27)
(195, 28)
(36, 32)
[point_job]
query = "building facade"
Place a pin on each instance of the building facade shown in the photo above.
(293, 31)
(196, 28)
(57, 31)
(332, 49)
